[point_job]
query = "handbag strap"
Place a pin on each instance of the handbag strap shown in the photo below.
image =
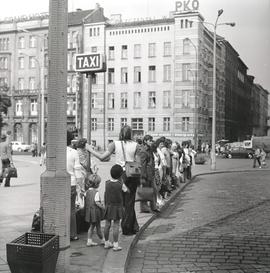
(124, 154)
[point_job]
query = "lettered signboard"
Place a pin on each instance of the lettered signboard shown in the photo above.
(90, 63)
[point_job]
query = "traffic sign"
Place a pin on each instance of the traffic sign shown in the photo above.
(90, 62)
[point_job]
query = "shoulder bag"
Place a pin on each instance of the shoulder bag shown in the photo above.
(132, 168)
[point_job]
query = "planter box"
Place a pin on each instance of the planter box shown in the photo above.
(33, 253)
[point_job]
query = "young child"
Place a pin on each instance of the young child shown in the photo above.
(93, 209)
(113, 206)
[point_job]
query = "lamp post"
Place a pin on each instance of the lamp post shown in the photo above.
(213, 145)
(196, 87)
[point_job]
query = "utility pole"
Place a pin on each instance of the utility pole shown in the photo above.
(55, 181)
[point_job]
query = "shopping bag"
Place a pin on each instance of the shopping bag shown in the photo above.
(144, 194)
(10, 172)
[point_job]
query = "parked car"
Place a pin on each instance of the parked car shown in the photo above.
(18, 146)
(238, 152)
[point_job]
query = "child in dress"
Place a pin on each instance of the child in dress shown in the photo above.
(93, 208)
(113, 206)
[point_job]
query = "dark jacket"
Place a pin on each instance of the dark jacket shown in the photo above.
(147, 166)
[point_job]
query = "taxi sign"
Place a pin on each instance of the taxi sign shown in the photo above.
(92, 62)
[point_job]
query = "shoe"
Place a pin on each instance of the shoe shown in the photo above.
(117, 248)
(102, 242)
(145, 211)
(108, 245)
(156, 210)
(91, 244)
(74, 238)
(260, 167)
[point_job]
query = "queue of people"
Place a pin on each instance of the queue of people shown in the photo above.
(163, 165)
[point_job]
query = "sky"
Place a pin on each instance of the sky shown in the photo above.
(250, 37)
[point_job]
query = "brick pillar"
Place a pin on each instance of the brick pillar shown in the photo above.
(55, 181)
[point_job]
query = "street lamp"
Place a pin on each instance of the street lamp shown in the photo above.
(195, 78)
(213, 145)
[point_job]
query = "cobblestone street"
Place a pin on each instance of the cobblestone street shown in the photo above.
(219, 223)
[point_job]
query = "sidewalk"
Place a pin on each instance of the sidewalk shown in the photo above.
(97, 259)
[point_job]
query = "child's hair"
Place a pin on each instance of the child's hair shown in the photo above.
(116, 171)
(92, 181)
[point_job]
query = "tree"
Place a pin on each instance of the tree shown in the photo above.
(5, 103)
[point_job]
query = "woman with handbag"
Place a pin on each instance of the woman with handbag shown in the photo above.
(126, 152)
(6, 159)
(148, 174)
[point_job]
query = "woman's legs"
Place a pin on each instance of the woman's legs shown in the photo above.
(99, 232)
(116, 246)
(107, 227)
(73, 225)
(129, 222)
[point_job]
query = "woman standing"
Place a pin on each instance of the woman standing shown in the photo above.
(129, 221)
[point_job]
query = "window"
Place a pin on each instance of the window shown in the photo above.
(124, 75)
(166, 99)
(167, 49)
(110, 124)
(45, 82)
(123, 122)
(185, 98)
(74, 84)
(111, 75)
(31, 83)
(46, 60)
(21, 62)
(93, 49)
(152, 50)
(21, 83)
(152, 73)
(152, 99)
(33, 107)
(111, 100)
(18, 108)
(137, 74)
(167, 72)
(21, 42)
(75, 39)
(137, 51)
(93, 124)
(137, 100)
(94, 100)
(124, 53)
(185, 124)
(3, 63)
(32, 62)
(186, 46)
(185, 72)
(4, 44)
(137, 124)
(111, 53)
(151, 124)
(45, 40)
(124, 100)
(32, 41)
(71, 107)
(166, 124)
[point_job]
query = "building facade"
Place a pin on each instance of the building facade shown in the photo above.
(159, 78)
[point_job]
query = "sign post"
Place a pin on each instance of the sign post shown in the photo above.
(90, 63)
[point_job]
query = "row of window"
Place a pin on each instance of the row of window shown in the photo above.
(137, 50)
(71, 107)
(137, 74)
(140, 30)
(137, 99)
(32, 42)
(138, 124)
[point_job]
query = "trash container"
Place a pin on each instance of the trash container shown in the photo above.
(33, 253)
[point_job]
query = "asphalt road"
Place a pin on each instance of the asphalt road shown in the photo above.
(219, 224)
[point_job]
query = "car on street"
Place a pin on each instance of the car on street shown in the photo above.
(18, 146)
(239, 152)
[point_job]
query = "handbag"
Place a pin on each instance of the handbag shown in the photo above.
(10, 172)
(144, 194)
(132, 168)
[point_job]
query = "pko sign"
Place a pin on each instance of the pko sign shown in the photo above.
(89, 62)
(186, 5)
